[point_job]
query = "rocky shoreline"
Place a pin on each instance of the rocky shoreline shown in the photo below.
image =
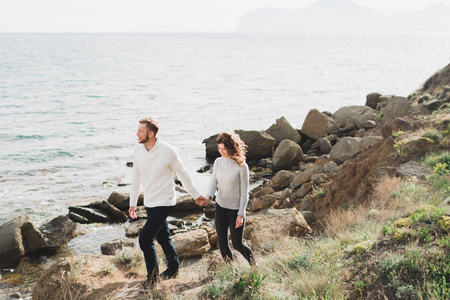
(331, 161)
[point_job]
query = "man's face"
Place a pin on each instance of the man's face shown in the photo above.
(143, 134)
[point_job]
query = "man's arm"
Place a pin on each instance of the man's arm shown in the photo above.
(135, 188)
(183, 176)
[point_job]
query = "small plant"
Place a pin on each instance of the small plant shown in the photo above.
(397, 134)
(398, 146)
(424, 235)
(302, 261)
(381, 114)
(75, 268)
(129, 258)
(107, 269)
(249, 283)
(360, 286)
(440, 169)
(444, 242)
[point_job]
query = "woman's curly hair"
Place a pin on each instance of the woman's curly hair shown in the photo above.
(235, 146)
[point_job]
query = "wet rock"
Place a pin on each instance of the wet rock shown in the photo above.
(110, 248)
(316, 124)
(191, 243)
(176, 222)
(287, 155)
(134, 228)
(93, 215)
(58, 232)
(204, 169)
(114, 212)
(282, 130)
(122, 200)
(282, 179)
(78, 218)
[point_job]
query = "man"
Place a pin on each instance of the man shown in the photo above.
(154, 164)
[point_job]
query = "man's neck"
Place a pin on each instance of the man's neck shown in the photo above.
(150, 144)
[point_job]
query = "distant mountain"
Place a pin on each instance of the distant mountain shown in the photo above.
(343, 16)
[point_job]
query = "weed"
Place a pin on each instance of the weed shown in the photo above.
(424, 235)
(360, 286)
(398, 146)
(129, 257)
(445, 242)
(397, 134)
(302, 261)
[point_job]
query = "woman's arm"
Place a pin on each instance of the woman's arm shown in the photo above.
(244, 186)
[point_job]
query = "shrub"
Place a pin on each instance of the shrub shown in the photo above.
(129, 257)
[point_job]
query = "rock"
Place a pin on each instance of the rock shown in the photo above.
(77, 218)
(316, 124)
(368, 141)
(330, 167)
(432, 105)
(345, 149)
(264, 163)
(413, 169)
(93, 215)
(304, 190)
(282, 179)
(260, 144)
(110, 248)
(176, 222)
(264, 202)
(306, 203)
(204, 169)
(141, 212)
(287, 155)
(324, 145)
(18, 237)
(354, 117)
(58, 232)
(319, 178)
(419, 110)
(122, 200)
(309, 216)
(305, 176)
(395, 107)
(398, 124)
(114, 212)
(262, 192)
(210, 209)
(282, 222)
(286, 194)
(372, 100)
(191, 243)
(187, 204)
(135, 228)
(282, 130)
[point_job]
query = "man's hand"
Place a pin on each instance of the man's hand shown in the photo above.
(202, 201)
(132, 212)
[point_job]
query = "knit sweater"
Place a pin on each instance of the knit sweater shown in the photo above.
(231, 183)
(155, 170)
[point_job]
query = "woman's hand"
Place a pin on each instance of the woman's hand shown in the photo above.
(239, 221)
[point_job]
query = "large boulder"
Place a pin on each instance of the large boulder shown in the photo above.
(260, 144)
(305, 176)
(18, 237)
(345, 149)
(354, 117)
(316, 124)
(187, 204)
(110, 248)
(265, 202)
(122, 200)
(191, 243)
(395, 107)
(398, 124)
(287, 155)
(372, 100)
(283, 222)
(58, 232)
(282, 179)
(282, 130)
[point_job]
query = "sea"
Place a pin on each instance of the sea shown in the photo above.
(70, 103)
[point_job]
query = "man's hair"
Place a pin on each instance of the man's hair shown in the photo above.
(152, 124)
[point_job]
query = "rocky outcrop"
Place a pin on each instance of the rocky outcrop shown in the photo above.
(282, 130)
(316, 124)
(58, 232)
(395, 107)
(114, 212)
(351, 118)
(287, 155)
(260, 144)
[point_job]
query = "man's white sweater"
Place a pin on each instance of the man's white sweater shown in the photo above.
(231, 183)
(155, 170)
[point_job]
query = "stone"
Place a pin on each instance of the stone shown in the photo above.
(413, 169)
(398, 124)
(191, 243)
(122, 200)
(283, 222)
(18, 237)
(110, 248)
(187, 204)
(141, 212)
(353, 117)
(324, 145)
(282, 179)
(262, 192)
(204, 169)
(264, 163)
(316, 124)
(58, 232)
(419, 110)
(319, 178)
(345, 149)
(93, 215)
(176, 222)
(305, 176)
(134, 228)
(114, 212)
(282, 130)
(309, 216)
(286, 194)
(372, 100)
(77, 218)
(368, 141)
(287, 155)
(264, 202)
(395, 107)
(304, 190)
(260, 144)
(432, 104)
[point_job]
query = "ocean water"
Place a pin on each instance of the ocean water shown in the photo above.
(69, 103)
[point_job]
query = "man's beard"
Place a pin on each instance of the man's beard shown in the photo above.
(144, 141)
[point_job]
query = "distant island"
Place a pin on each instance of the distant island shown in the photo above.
(344, 16)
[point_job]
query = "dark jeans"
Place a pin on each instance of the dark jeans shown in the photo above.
(224, 219)
(156, 226)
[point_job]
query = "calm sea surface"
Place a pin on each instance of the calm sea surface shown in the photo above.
(69, 103)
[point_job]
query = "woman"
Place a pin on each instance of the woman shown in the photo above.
(230, 178)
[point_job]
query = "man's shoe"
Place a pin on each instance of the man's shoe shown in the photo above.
(168, 274)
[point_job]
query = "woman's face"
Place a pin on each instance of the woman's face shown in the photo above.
(223, 151)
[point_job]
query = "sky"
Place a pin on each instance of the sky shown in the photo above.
(156, 16)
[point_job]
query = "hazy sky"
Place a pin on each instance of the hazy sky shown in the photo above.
(155, 16)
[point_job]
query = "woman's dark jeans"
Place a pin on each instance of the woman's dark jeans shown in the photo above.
(156, 226)
(224, 219)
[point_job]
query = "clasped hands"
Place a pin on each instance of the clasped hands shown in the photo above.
(202, 200)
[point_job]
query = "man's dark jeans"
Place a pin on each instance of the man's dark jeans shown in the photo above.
(156, 226)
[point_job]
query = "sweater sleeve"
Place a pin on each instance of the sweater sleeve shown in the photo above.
(183, 175)
(135, 182)
(244, 185)
(213, 182)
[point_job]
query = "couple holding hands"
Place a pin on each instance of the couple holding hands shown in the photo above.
(154, 164)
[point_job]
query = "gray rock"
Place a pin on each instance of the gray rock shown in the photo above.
(330, 167)
(93, 215)
(368, 141)
(414, 169)
(395, 107)
(110, 248)
(316, 124)
(319, 178)
(114, 212)
(77, 218)
(305, 176)
(135, 228)
(282, 179)
(398, 124)
(287, 155)
(58, 232)
(122, 200)
(353, 117)
(187, 204)
(345, 149)
(324, 145)
(282, 130)
(372, 100)
(309, 216)
(304, 190)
